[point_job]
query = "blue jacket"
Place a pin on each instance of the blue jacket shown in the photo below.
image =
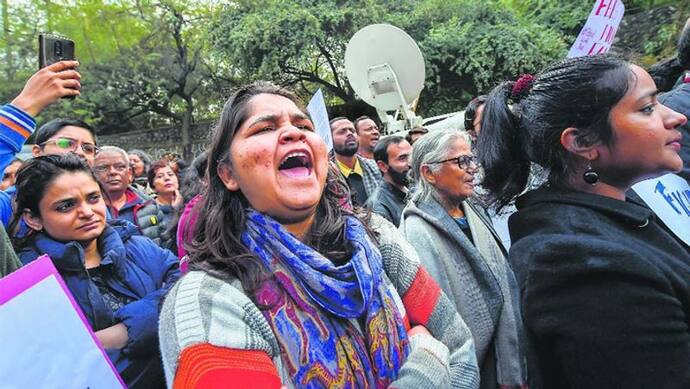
(136, 267)
(15, 126)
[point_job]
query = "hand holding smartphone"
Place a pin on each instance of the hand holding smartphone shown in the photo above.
(52, 49)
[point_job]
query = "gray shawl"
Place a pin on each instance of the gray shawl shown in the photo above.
(478, 280)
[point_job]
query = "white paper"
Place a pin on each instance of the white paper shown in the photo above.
(45, 344)
(596, 37)
(669, 197)
(319, 116)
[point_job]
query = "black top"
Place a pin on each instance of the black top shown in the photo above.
(111, 297)
(388, 201)
(605, 293)
(357, 191)
(464, 226)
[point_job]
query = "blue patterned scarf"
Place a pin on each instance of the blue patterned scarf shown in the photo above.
(312, 306)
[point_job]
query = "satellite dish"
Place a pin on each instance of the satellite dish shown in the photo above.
(386, 69)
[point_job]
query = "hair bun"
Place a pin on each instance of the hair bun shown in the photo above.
(522, 87)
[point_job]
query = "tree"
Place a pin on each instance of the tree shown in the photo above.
(142, 62)
(467, 45)
(160, 79)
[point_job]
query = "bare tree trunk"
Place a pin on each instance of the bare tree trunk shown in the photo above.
(8, 47)
(187, 122)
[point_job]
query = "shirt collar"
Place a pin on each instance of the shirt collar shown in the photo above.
(357, 169)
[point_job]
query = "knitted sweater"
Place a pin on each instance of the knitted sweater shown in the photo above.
(477, 278)
(210, 330)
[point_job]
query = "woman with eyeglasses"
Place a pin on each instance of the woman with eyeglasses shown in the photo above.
(605, 285)
(60, 136)
(287, 288)
(457, 244)
(117, 276)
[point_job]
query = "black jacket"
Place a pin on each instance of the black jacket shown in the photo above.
(388, 201)
(605, 293)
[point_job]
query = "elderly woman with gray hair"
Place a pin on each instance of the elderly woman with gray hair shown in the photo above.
(140, 162)
(458, 246)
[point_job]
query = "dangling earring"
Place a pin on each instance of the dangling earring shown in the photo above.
(590, 175)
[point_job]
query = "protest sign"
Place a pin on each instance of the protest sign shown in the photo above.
(46, 340)
(596, 37)
(669, 197)
(319, 116)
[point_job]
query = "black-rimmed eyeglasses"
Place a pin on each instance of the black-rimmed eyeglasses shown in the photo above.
(464, 161)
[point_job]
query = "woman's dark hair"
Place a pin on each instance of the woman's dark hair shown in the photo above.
(36, 176)
(471, 110)
(155, 167)
(666, 73)
(194, 177)
(217, 247)
(517, 130)
(54, 126)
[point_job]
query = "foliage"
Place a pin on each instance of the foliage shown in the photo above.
(142, 62)
(471, 46)
(150, 63)
(468, 45)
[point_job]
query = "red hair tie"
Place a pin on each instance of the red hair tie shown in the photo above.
(521, 87)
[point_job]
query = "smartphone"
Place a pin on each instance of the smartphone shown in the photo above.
(53, 48)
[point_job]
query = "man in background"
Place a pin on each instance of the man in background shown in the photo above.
(361, 174)
(415, 134)
(392, 155)
(368, 133)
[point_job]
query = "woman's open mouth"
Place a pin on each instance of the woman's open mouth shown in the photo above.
(296, 164)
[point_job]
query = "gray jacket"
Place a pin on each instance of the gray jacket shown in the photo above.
(479, 281)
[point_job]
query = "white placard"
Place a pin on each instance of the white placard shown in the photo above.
(45, 341)
(319, 116)
(669, 197)
(597, 35)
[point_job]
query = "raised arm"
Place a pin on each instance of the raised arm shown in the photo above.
(45, 87)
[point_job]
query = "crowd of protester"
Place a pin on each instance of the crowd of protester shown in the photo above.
(272, 261)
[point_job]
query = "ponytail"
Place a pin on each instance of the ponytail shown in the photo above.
(523, 121)
(500, 148)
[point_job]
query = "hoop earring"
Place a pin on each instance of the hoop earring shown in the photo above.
(590, 175)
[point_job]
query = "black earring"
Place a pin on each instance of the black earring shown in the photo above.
(590, 175)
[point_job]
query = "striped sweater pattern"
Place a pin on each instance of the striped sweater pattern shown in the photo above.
(210, 330)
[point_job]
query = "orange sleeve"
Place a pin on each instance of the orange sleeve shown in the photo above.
(206, 366)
